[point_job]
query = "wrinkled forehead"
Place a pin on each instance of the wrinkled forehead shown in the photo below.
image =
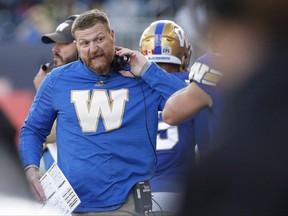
(91, 32)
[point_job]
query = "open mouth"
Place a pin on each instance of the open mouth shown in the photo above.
(96, 57)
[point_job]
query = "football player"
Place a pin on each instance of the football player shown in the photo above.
(197, 96)
(187, 102)
(206, 75)
(165, 43)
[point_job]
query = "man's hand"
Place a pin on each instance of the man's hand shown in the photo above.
(137, 61)
(33, 177)
(41, 75)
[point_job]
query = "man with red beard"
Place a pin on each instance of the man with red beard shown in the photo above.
(107, 118)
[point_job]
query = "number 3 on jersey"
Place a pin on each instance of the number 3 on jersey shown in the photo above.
(167, 136)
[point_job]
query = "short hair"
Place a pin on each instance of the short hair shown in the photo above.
(88, 19)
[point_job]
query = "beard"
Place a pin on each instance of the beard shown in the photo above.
(99, 62)
(59, 60)
(71, 58)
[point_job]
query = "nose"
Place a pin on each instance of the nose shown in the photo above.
(93, 47)
(56, 47)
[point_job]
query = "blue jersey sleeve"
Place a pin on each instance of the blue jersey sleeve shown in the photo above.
(38, 123)
(166, 84)
(206, 75)
(201, 128)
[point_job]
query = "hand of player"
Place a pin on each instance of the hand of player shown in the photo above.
(41, 75)
(137, 61)
(33, 177)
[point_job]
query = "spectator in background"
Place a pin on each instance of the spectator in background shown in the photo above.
(37, 17)
(60, 10)
(34, 23)
(122, 9)
(246, 172)
(64, 51)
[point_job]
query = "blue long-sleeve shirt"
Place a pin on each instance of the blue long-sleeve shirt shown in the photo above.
(103, 145)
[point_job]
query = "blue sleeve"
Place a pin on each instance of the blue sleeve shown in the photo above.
(163, 82)
(207, 121)
(38, 123)
(202, 129)
(210, 90)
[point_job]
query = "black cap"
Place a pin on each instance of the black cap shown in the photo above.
(62, 34)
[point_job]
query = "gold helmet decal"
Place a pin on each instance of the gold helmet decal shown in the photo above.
(165, 42)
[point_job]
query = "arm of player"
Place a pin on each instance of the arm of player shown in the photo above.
(184, 104)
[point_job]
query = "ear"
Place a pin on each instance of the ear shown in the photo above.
(112, 34)
(75, 43)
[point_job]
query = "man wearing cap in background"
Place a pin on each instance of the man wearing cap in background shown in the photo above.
(64, 51)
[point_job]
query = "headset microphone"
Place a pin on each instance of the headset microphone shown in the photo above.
(121, 63)
(122, 60)
(44, 66)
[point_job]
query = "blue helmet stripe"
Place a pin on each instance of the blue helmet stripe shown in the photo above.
(158, 36)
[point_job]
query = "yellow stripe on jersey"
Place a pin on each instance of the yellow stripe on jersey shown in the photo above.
(211, 77)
